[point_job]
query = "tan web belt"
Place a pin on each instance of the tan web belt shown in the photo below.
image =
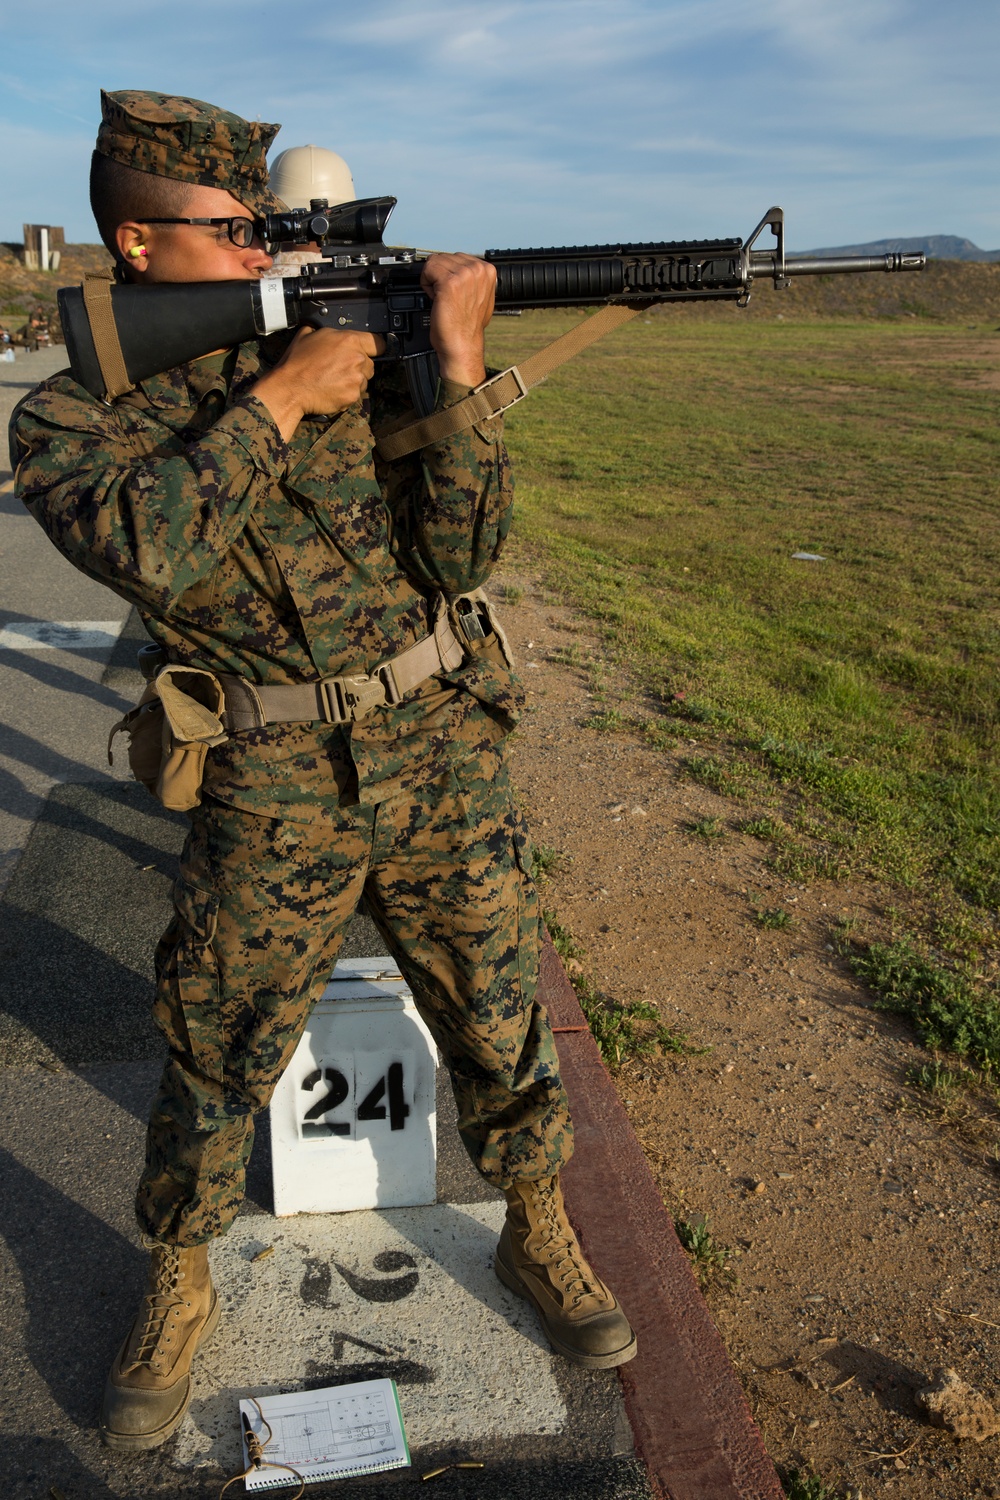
(337, 700)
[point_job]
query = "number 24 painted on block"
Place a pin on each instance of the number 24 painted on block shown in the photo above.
(384, 1098)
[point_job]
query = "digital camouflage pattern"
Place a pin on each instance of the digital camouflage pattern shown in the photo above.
(281, 562)
(187, 140)
(261, 907)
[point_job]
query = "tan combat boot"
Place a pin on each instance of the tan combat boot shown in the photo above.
(540, 1258)
(149, 1387)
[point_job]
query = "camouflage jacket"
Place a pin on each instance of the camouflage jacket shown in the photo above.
(281, 562)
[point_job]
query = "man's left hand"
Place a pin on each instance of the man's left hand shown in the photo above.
(462, 288)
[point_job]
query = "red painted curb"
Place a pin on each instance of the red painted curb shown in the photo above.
(690, 1419)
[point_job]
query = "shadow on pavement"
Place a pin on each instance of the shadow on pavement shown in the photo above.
(45, 667)
(79, 1278)
(10, 505)
(32, 752)
(122, 671)
(36, 1465)
(80, 918)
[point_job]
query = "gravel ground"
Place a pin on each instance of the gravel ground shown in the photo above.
(862, 1232)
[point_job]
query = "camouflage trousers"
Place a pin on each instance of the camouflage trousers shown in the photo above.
(261, 906)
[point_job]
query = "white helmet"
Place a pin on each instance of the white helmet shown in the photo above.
(305, 172)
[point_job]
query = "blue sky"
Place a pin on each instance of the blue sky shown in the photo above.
(550, 122)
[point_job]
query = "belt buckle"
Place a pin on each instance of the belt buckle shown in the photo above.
(362, 694)
(385, 675)
(345, 698)
(331, 696)
(519, 381)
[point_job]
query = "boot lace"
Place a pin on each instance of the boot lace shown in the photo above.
(561, 1249)
(160, 1303)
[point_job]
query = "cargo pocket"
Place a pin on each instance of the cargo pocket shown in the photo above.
(188, 1008)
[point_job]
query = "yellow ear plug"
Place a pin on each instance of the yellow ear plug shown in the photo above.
(138, 250)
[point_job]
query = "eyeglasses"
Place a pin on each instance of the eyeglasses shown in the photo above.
(240, 232)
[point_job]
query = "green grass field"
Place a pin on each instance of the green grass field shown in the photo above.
(667, 477)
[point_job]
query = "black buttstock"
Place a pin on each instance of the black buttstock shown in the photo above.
(160, 326)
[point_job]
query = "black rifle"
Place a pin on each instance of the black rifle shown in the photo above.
(363, 285)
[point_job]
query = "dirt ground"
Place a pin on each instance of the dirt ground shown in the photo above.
(863, 1232)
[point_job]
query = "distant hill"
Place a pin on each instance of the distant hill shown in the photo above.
(21, 289)
(934, 246)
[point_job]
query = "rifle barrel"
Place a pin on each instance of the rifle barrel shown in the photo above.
(764, 263)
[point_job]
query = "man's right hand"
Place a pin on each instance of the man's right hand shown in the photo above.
(321, 373)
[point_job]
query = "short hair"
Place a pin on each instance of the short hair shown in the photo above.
(119, 193)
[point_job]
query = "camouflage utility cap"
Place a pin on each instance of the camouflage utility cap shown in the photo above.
(187, 140)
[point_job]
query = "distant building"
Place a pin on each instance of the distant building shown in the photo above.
(43, 246)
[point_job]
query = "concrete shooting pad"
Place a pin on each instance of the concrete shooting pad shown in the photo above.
(404, 1292)
(408, 1293)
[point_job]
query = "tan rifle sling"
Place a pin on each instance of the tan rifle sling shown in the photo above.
(97, 301)
(504, 390)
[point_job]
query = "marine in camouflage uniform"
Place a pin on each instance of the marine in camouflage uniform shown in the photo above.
(281, 562)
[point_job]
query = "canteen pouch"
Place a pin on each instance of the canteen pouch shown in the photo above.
(170, 732)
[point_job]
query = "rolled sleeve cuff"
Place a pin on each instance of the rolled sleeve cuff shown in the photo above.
(249, 423)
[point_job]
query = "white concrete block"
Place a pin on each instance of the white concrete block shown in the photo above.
(353, 1120)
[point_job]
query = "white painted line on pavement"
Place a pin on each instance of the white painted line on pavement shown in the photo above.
(60, 635)
(8, 484)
